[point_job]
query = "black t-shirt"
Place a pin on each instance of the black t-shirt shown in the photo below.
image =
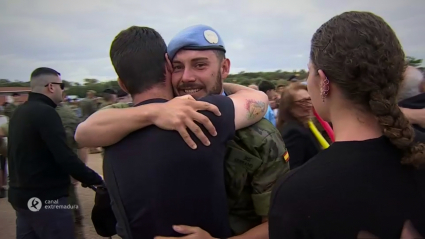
(350, 187)
(162, 182)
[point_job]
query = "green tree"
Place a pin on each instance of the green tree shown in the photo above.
(90, 81)
(411, 61)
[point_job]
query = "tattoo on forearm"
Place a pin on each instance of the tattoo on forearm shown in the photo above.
(255, 108)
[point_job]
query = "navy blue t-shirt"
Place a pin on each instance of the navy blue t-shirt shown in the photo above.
(163, 182)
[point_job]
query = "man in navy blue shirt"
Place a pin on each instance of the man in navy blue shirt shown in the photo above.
(156, 180)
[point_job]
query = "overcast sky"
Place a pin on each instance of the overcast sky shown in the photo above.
(74, 37)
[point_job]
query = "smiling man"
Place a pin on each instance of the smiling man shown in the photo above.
(256, 157)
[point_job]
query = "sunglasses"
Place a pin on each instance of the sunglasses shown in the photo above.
(62, 85)
(303, 102)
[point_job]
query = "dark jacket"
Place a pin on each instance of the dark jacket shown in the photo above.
(415, 102)
(300, 142)
(40, 161)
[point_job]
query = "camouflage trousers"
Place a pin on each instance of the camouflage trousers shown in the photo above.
(78, 217)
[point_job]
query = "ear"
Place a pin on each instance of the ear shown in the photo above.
(324, 83)
(322, 76)
(168, 65)
(225, 68)
(122, 86)
(50, 88)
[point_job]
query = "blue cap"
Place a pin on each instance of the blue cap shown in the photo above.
(199, 37)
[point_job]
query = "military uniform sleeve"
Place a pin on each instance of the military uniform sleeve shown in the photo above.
(70, 122)
(275, 164)
(5, 129)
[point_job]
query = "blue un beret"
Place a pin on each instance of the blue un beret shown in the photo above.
(199, 37)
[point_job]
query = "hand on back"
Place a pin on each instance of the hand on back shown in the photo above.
(181, 113)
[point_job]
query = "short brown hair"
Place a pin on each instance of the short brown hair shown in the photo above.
(138, 56)
(362, 56)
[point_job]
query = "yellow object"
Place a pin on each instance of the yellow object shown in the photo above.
(286, 156)
(318, 135)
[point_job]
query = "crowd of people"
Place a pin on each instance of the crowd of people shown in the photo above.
(186, 155)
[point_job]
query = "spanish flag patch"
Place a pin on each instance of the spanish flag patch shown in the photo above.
(286, 156)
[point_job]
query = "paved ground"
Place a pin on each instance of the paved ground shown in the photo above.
(86, 196)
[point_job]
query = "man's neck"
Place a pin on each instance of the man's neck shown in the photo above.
(152, 94)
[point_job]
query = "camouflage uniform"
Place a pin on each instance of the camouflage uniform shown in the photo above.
(70, 122)
(88, 107)
(9, 110)
(104, 104)
(117, 106)
(254, 161)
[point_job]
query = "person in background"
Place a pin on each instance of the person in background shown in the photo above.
(3, 155)
(70, 122)
(88, 105)
(41, 163)
(293, 79)
(410, 95)
(295, 111)
(280, 88)
(124, 97)
(109, 98)
(11, 107)
(269, 88)
(366, 181)
(254, 160)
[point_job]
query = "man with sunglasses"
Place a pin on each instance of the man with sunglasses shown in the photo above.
(41, 163)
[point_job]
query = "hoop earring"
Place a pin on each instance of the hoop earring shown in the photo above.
(324, 89)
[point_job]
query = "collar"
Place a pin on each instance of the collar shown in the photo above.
(223, 93)
(154, 100)
(32, 96)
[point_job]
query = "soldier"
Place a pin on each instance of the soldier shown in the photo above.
(88, 105)
(70, 122)
(109, 98)
(255, 159)
(10, 108)
(124, 97)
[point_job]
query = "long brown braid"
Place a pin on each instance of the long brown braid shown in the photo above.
(360, 53)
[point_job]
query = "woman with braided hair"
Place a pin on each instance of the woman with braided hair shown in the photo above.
(366, 184)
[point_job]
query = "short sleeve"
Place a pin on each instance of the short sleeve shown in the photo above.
(224, 124)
